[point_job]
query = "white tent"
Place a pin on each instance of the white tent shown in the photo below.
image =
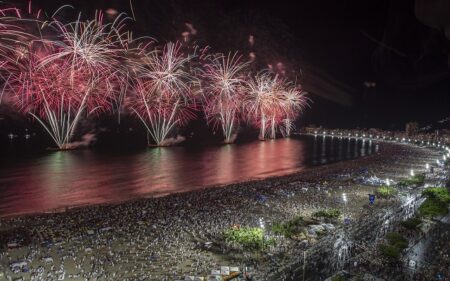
(18, 264)
(215, 272)
(225, 270)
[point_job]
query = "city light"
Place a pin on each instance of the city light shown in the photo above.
(261, 223)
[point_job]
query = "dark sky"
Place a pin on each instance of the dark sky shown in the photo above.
(333, 47)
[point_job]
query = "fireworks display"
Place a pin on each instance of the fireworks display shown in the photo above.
(61, 73)
(225, 82)
(164, 92)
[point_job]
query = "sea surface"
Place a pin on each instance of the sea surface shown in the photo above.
(60, 179)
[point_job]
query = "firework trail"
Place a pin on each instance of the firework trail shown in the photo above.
(262, 100)
(164, 94)
(294, 100)
(71, 74)
(92, 44)
(14, 39)
(54, 100)
(102, 48)
(271, 102)
(224, 81)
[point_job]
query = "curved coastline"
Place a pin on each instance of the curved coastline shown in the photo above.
(275, 175)
(175, 226)
(302, 171)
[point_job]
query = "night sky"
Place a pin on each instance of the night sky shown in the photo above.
(333, 48)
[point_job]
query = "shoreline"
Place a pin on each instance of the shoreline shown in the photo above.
(149, 196)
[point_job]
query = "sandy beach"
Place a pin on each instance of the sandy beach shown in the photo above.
(167, 238)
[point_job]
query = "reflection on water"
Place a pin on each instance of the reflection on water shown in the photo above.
(67, 178)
